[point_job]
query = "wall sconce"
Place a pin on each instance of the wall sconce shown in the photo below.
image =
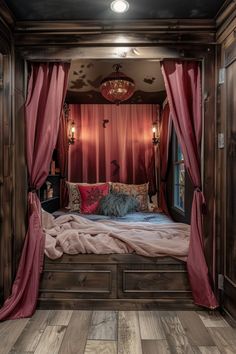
(71, 138)
(155, 134)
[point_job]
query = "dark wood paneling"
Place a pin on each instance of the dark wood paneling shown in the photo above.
(154, 283)
(20, 175)
(114, 304)
(6, 159)
(209, 156)
(81, 280)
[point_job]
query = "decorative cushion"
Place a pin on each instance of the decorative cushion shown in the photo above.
(74, 196)
(91, 195)
(117, 204)
(139, 191)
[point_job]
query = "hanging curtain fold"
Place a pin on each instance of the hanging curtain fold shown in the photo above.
(165, 134)
(46, 93)
(183, 85)
(114, 144)
(62, 156)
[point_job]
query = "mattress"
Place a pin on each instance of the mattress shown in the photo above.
(154, 218)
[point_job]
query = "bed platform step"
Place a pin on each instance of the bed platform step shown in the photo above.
(114, 281)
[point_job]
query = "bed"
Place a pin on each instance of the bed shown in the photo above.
(115, 281)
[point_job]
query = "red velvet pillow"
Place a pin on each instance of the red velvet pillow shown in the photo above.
(90, 197)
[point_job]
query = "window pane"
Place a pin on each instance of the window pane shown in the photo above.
(179, 178)
(179, 153)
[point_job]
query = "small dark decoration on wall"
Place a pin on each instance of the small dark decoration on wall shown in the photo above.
(104, 122)
(149, 80)
(117, 167)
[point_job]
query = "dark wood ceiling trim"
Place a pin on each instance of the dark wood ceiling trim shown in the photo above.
(225, 21)
(116, 26)
(6, 16)
(68, 52)
(89, 33)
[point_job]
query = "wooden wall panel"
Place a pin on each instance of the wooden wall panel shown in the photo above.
(208, 156)
(6, 161)
(20, 168)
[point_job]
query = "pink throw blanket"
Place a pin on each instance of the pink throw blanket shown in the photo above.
(73, 234)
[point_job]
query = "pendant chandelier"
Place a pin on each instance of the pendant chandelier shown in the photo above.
(117, 87)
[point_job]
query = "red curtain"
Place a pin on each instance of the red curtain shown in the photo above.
(62, 155)
(165, 134)
(114, 143)
(46, 92)
(183, 86)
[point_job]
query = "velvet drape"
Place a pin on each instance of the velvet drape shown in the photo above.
(183, 85)
(62, 156)
(46, 93)
(165, 137)
(114, 143)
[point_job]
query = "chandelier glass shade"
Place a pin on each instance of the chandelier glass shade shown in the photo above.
(117, 87)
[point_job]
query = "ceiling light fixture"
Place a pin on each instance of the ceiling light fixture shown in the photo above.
(117, 87)
(120, 6)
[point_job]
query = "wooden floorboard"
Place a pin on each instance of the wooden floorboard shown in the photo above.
(9, 333)
(75, 338)
(155, 347)
(118, 332)
(103, 325)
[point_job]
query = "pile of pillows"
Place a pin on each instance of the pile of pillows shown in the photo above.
(111, 199)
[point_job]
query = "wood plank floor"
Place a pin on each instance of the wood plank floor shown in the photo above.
(118, 332)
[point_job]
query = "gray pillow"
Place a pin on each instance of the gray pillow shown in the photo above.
(117, 204)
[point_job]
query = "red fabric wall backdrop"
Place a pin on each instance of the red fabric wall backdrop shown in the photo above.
(113, 143)
(46, 93)
(183, 86)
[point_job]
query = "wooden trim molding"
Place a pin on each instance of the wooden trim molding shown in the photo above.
(89, 33)
(6, 16)
(226, 21)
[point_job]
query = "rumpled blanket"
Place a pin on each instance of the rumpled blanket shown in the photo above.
(73, 234)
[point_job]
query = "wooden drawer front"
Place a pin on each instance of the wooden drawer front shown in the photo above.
(154, 283)
(79, 283)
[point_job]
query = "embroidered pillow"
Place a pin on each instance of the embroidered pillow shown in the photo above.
(91, 195)
(139, 191)
(74, 196)
(117, 204)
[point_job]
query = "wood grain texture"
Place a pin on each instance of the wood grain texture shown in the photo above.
(9, 332)
(103, 325)
(60, 318)
(74, 340)
(155, 347)
(51, 340)
(175, 334)
(194, 328)
(100, 347)
(209, 350)
(224, 338)
(212, 319)
(150, 325)
(129, 341)
(29, 338)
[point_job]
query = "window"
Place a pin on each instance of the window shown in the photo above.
(179, 177)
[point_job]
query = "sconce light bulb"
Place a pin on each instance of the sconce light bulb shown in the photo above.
(72, 129)
(154, 129)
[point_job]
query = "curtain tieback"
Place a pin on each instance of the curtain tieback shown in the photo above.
(204, 208)
(32, 190)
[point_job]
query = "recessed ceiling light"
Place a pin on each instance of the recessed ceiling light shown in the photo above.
(120, 6)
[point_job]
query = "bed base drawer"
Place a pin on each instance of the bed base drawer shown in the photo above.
(147, 282)
(82, 282)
